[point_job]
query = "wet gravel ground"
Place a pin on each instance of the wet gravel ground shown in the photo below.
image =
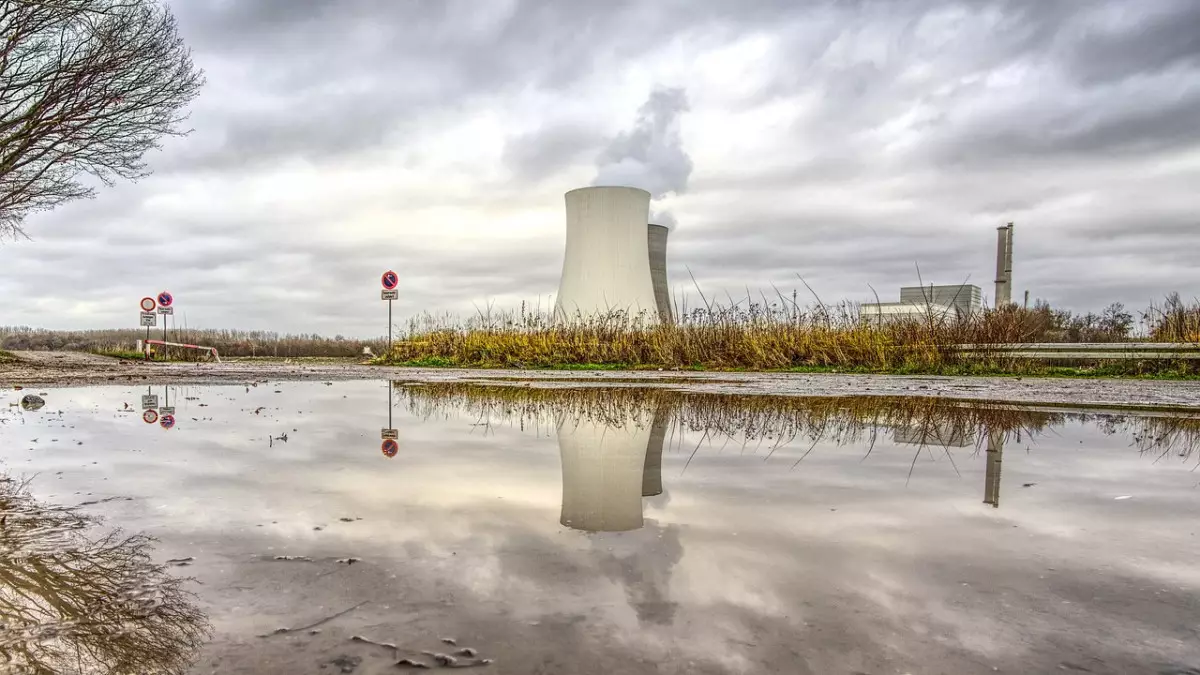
(71, 369)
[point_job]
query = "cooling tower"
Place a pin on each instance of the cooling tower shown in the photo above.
(656, 239)
(602, 468)
(606, 265)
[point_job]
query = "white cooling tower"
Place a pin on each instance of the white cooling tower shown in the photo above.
(606, 267)
(602, 468)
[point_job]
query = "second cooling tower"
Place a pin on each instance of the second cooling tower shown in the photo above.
(606, 267)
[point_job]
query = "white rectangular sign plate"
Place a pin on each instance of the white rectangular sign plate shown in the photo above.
(389, 434)
(167, 410)
(149, 401)
(166, 310)
(389, 295)
(149, 319)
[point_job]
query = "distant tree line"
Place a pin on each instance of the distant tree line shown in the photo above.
(227, 342)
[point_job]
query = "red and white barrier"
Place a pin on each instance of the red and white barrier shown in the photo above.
(210, 350)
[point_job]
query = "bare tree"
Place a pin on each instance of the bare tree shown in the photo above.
(86, 88)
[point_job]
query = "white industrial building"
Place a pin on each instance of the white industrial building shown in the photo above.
(950, 302)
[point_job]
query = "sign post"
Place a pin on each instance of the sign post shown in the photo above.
(147, 306)
(164, 307)
(390, 281)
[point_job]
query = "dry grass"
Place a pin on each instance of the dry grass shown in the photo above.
(751, 336)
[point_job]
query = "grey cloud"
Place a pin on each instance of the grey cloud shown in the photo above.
(1163, 35)
(651, 154)
(535, 155)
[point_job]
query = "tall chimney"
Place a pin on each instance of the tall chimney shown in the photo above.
(1003, 264)
(1008, 252)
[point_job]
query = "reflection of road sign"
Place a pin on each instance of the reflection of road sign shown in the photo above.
(150, 401)
(165, 299)
(149, 319)
(167, 410)
(166, 310)
(167, 421)
(389, 434)
(389, 295)
(390, 448)
(147, 304)
(150, 417)
(390, 280)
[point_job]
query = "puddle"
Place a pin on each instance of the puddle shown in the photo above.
(596, 530)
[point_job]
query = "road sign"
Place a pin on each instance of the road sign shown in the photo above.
(147, 304)
(166, 310)
(390, 448)
(149, 401)
(165, 299)
(149, 319)
(167, 421)
(150, 417)
(389, 295)
(167, 410)
(389, 434)
(390, 280)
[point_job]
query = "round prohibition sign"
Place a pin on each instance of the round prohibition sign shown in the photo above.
(147, 304)
(165, 299)
(389, 448)
(390, 280)
(167, 421)
(150, 416)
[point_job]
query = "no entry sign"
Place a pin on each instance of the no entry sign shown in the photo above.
(164, 299)
(167, 421)
(147, 304)
(390, 448)
(150, 416)
(390, 280)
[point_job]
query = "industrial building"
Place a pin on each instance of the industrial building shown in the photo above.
(951, 302)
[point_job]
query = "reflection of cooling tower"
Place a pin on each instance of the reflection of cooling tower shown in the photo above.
(652, 472)
(602, 473)
(991, 477)
(606, 265)
(657, 240)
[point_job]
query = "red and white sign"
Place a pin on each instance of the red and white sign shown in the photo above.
(167, 421)
(165, 299)
(390, 280)
(390, 448)
(150, 416)
(147, 304)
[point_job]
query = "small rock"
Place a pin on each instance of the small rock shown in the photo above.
(467, 651)
(449, 641)
(1029, 484)
(409, 663)
(349, 561)
(32, 402)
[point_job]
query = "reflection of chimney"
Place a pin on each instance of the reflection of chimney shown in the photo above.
(991, 479)
(602, 473)
(652, 471)
(657, 240)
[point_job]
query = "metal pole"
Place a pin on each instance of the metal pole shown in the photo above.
(390, 392)
(146, 346)
(389, 354)
(164, 316)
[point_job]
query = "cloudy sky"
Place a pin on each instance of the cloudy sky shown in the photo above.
(843, 141)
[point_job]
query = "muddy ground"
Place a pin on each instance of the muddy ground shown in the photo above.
(57, 369)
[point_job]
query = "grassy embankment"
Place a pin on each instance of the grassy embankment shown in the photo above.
(772, 337)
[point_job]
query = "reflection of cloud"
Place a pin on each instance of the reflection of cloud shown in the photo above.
(645, 572)
(73, 603)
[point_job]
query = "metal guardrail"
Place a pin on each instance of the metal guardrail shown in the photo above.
(1087, 350)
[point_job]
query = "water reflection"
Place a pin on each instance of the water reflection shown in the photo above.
(74, 600)
(611, 439)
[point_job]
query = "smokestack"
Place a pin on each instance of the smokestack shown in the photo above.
(1008, 252)
(1003, 264)
(656, 236)
(606, 265)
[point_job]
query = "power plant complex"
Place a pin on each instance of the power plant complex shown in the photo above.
(615, 260)
(616, 263)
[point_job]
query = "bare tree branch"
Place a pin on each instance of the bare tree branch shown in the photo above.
(87, 87)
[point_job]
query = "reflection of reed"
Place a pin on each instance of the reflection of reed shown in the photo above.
(781, 419)
(75, 603)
